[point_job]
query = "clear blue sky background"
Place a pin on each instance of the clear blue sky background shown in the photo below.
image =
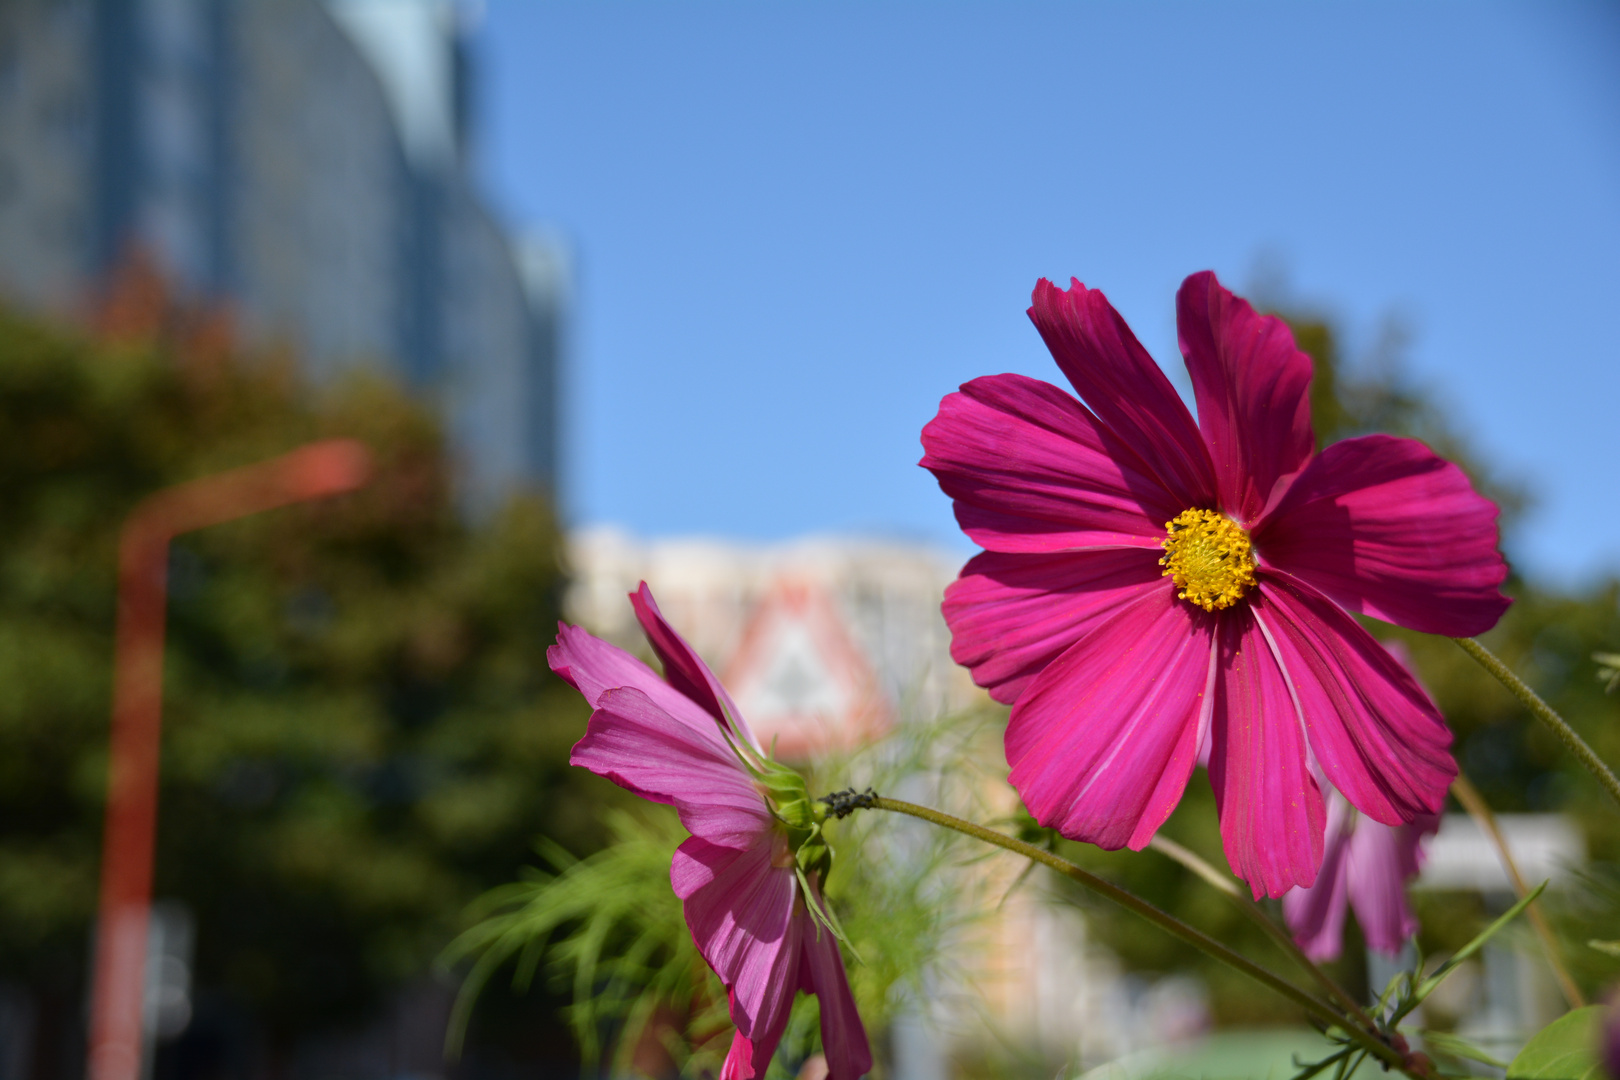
(796, 226)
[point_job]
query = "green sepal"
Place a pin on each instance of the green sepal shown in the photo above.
(821, 913)
(790, 801)
(815, 855)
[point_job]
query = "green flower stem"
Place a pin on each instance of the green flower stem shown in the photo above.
(1478, 809)
(1543, 712)
(1279, 934)
(1312, 1004)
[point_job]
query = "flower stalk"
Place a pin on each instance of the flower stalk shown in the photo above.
(1543, 712)
(843, 803)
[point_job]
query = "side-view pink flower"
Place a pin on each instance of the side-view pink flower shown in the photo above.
(1366, 865)
(1154, 585)
(679, 740)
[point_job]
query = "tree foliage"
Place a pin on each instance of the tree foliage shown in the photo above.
(361, 732)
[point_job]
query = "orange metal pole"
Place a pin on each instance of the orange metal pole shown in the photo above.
(311, 472)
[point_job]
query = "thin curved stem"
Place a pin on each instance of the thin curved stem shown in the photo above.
(1473, 802)
(1315, 1006)
(1279, 934)
(1543, 712)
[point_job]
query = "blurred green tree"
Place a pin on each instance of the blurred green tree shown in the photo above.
(361, 731)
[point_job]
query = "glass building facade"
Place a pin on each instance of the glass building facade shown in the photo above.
(304, 162)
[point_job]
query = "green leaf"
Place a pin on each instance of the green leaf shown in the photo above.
(1610, 948)
(1565, 1049)
(1312, 1068)
(1608, 670)
(1427, 986)
(1450, 1044)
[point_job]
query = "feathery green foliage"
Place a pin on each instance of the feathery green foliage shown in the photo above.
(609, 926)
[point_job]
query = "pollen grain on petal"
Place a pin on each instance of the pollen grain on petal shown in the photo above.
(1210, 558)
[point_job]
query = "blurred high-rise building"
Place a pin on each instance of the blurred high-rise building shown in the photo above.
(305, 163)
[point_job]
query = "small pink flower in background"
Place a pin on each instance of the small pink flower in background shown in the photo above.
(1366, 865)
(1155, 586)
(676, 740)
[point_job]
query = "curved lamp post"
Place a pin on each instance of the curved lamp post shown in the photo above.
(311, 472)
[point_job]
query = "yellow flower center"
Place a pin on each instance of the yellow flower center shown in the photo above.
(1209, 556)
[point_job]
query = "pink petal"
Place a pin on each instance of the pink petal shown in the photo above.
(1116, 377)
(685, 669)
(739, 1063)
(1388, 529)
(749, 1058)
(1316, 914)
(1253, 389)
(593, 667)
(740, 908)
(1382, 859)
(1032, 470)
(1375, 733)
(1102, 742)
(1011, 615)
(843, 1036)
(1271, 811)
(641, 747)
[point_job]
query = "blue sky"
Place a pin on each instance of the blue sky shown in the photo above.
(796, 226)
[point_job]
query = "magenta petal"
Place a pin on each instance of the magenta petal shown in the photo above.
(1375, 733)
(843, 1036)
(1116, 377)
(641, 747)
(1315, 914)
(1032, 470)
(1271, 811)
(740, 1063)
(740, 908)
(593, 667)
(1388, 529)
(750, 1058)
(1253, 389)
(685, 669)
(1382, 859)
(1011, 615)
(1102, 742)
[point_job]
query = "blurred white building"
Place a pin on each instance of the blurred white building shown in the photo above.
(1508, 992)
(303, 163)
(821, 641)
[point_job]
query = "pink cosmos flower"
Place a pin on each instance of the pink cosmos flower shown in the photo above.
(1366, 865)
(675, 740)
(1154, 586)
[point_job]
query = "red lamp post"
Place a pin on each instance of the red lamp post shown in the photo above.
(314, 471)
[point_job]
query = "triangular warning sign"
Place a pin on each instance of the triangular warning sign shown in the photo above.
(799, 678)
